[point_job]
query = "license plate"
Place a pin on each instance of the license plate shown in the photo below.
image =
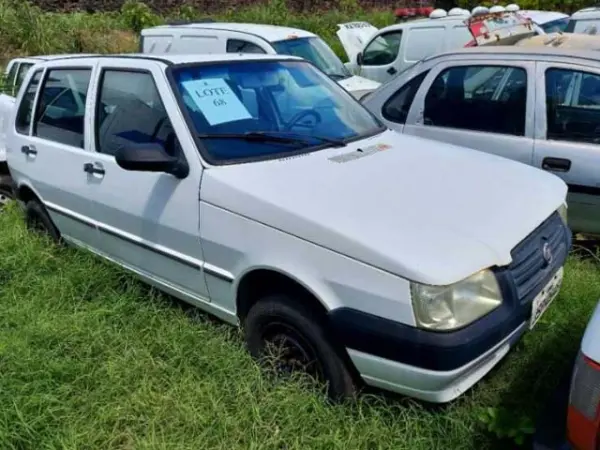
(545, 297)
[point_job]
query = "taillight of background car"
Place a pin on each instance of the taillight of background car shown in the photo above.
(583, 417)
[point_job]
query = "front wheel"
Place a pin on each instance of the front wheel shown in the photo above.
(280, 327)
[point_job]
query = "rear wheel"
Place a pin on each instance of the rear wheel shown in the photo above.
(281, 331)
(6, 191)
(38, 220)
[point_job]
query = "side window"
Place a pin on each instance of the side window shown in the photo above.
(240, 46)
(129, 111)
(572, 105)
(25, 111)
(9, 79)
(61, 109)
(383, 49)
(23, 69)
(479, 98)
(398, 105)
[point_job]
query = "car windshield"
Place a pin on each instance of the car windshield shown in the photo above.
(257, 109)
(555, 25)
(313, 49)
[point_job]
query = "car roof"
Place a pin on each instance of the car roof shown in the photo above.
(542, 17)
(188, 58)
(587, 13)
(269, 33)
(53, 57)
(528, 52)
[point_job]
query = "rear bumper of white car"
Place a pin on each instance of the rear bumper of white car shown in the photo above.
(439, 366)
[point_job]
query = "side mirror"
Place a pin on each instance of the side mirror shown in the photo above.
(150, 157)
(359, 58)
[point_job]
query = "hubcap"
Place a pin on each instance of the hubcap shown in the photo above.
(290, 352)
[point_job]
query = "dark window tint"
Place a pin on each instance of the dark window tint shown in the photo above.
(383, 49)
(573, 105)
(130, 111)
(23, 69)
(239, 46)
(26, 106)
(61, 108)
(398, 105)
(479, 98)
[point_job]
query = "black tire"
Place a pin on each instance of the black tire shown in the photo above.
(6, 190)
(279, 314)
(38, 220)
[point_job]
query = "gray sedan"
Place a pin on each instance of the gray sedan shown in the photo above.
(539, 106)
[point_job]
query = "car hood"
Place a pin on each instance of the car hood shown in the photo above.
(359, 86)
(427, 211)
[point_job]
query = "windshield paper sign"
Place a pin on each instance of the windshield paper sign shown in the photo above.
(499, 28)
(215, 99)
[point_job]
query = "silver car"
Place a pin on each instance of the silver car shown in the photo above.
(539, 106)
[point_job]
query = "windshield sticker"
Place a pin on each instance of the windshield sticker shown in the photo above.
(360, 153)
(216, 100)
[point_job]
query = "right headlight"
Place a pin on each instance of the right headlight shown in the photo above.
(459, 304)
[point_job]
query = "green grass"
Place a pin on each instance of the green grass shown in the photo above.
(90, 358)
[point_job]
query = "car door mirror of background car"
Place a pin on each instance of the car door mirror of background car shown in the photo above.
(150, 157)
(359, 58)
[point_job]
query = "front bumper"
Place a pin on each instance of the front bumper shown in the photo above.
(439, 366)
(430, 385)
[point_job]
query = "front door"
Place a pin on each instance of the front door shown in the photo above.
(484, 105)
(147, 221)
(567, 141)
(380, 56)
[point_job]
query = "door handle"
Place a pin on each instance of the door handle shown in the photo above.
(28, 150)
(556, 164)
(391, 71)
(92, 169)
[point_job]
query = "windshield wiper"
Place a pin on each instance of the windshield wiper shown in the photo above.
(273, 136)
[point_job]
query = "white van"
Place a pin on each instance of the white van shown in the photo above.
(211, 37)
(380, 54)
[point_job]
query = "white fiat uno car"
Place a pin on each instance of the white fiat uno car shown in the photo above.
(258, 189)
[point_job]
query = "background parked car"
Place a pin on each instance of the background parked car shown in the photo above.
(539, 106)
(571, 419)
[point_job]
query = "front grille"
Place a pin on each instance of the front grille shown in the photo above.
(529, 268)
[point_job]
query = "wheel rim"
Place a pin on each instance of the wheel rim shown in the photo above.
(290, 351)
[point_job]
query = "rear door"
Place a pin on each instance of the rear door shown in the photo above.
(485, 104)
(567, 136)
(49, 146)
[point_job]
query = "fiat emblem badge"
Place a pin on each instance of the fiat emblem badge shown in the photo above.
(547, 252)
